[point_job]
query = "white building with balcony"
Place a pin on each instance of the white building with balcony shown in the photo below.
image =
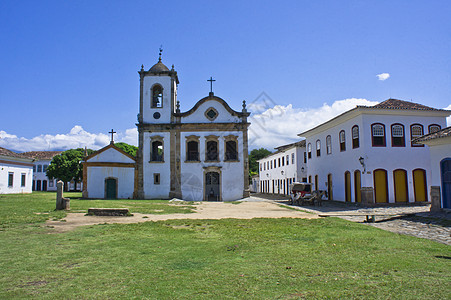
(370, 149)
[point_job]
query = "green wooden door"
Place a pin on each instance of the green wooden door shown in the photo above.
(111, 188)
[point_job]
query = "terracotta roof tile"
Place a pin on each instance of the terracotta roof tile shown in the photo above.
(41, 155)
(295, 144)
(445, 132)
(10, 153)
(401, 104)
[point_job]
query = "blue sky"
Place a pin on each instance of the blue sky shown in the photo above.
(69, 68)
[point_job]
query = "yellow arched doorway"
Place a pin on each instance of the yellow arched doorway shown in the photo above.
(380, 186)
(348, 186)
(329, 187)
(357, 186)
(420, 185)
(400, 183)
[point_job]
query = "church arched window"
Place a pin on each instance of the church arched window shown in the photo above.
(212, 153)
(157, 150)
(231, 147)
(231, 153)
(157, 96)
(192, 152)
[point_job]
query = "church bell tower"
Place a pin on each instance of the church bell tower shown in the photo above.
(158, 94)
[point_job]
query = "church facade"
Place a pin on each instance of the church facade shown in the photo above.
(200, 154)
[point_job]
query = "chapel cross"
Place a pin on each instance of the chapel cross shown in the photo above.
(112, 133)
(211, 84)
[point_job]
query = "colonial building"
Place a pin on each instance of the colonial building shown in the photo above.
(372, 149)
(41, 162)
(200, 154)
(16, 172)
(278, 170)
(439, 144)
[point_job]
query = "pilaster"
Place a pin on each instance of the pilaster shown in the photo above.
(139, 179)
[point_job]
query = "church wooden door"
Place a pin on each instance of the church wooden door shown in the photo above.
(445, 167)
(212, 190)
(110, 188)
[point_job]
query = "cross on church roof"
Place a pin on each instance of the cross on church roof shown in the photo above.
(161, 51)
(112, 138)
(211, 85)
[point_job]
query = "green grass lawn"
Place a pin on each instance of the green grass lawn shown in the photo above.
(220, 259)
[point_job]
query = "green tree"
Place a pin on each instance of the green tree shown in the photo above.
(130, 149)
(255, 155)
(67, 166)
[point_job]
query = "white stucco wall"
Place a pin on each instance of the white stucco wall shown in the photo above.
(438, 153)
(151, 190)
(198, 116)
(439, 149)
(96, 181)
(17, 170)
(388, 157)
(111, 155)
(165, 111)
(271, 177)
(193, 173)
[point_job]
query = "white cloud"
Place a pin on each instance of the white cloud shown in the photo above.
(279, 125)
(383, 76)
(448, 120)
(76, 138)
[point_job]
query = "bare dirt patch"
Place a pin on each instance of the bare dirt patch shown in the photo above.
(203, 210)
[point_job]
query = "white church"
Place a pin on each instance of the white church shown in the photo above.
(200, 154)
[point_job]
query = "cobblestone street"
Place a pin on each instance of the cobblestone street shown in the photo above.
(414, 220)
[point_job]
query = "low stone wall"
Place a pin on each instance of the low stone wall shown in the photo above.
(118, 212)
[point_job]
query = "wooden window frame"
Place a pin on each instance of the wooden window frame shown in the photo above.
(342, 143)
(309, 150)
(227, 139)
(384, 144)
(318, 148)
(412, 144)
(212, 138)
(328, 144)
(190, 139)
(10, 179)
(393, 137)
(23, 179)
(431, 125)
(355, 140)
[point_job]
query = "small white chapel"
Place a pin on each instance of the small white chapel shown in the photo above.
(199, 155)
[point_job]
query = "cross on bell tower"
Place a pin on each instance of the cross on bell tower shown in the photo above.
(112, 137)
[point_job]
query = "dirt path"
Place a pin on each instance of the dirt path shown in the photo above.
(203, 210)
